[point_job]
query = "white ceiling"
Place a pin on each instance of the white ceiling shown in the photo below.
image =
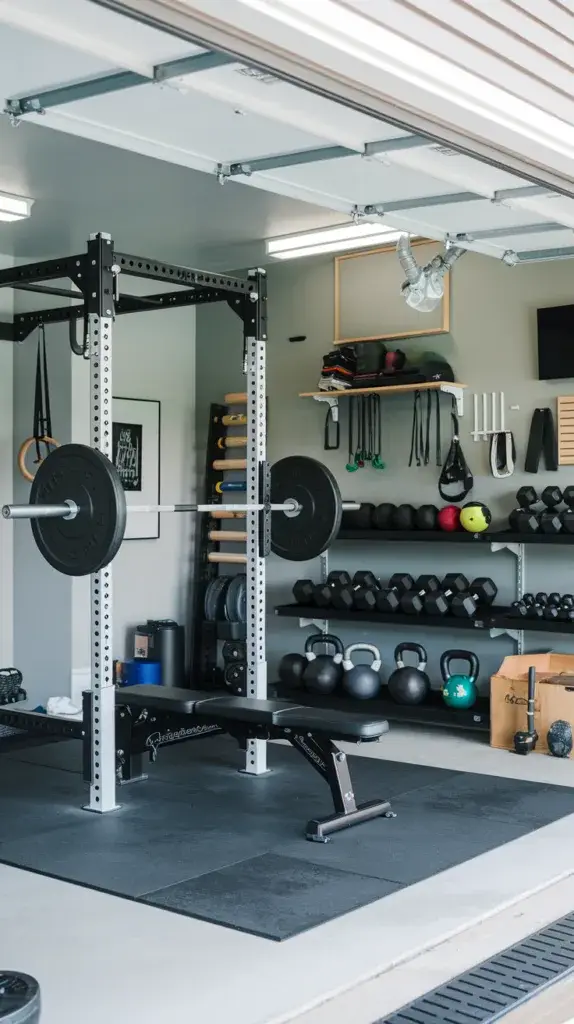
(211, 119)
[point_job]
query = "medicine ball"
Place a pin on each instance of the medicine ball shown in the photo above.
(403, 517)
(449, 518)
(426, 517)
(382, 516)
(475, 517)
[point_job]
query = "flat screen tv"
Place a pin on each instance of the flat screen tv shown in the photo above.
(555, 342)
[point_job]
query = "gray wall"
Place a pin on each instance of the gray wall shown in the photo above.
(492, 345)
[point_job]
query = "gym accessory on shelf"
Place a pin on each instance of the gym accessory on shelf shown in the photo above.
(323, 672)
(382, 516)
(362, 682)
(291, 669)
(360, 594)
(323, 593)
(525, 741)
(524, 519)
(78, 509)
(559, 738)
(389, 599)
(358, 519)
(403, 518)
(409, 684)
(426, 517)
(459, 691)
(449, 518)
(482, 592)
(438, 602)
(475, 517)
(412, 602)
(303, 591)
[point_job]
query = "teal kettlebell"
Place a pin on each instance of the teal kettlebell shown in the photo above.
(459, 691)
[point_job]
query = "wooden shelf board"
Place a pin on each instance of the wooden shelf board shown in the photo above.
(432, 385)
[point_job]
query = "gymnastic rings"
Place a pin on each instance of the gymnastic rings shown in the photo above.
(24, 449)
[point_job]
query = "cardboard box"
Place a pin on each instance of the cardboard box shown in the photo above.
(509, 696)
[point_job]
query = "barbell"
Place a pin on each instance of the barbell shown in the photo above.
(78, 509)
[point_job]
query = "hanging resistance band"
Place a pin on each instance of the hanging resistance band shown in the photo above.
(42, 429)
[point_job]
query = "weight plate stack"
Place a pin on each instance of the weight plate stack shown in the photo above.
(214, 601)
(236, 599)
(235, 678)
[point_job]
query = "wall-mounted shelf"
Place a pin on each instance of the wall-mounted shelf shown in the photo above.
(433, 712)
(457, 537)
(394, 389)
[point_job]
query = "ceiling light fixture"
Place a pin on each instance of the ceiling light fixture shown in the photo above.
(14, 208)
(341, 238)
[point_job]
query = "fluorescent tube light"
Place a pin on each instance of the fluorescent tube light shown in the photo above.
(14, 207)
(338, 239)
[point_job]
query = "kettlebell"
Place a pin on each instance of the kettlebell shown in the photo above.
(291, 668)
(362, 681)
(407, 684)
(323, 672)
(459, 691)
(559, 738)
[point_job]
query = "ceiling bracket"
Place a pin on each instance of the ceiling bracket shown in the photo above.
(222, 173)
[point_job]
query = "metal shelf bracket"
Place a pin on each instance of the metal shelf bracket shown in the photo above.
(332, 402)
(514, 634)
(515, 549)
(458, 394)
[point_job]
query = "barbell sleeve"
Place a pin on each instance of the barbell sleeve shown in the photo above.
(68, 510)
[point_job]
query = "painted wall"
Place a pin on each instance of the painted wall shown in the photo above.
(492, 345)
(6, 456)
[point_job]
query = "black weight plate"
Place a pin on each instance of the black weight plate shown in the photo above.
(214, 600)
(234, 598)
(84, 545)
(303, 536)
(234, 650)
(242, 600)
(234, 677)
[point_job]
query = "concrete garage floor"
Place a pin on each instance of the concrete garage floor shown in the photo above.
(101, 957)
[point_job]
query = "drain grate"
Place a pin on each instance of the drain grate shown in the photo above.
(490, 990)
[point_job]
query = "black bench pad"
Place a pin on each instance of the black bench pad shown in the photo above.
(281, 714)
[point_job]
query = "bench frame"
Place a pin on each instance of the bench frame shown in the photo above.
(141, 730)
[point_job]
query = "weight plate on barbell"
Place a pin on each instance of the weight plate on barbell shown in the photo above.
(84, 545)
(302, 536)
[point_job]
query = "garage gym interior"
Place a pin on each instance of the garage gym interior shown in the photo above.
(286, 604)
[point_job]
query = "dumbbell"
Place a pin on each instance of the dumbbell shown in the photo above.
(323, 592)
(389, 599)
(534, 608)
(524, 519)
(412, 603)
(438, 603)
(303, 591)
(567, 514)
(566, 608)
(482, 592)
(360, 594)
(550, 521)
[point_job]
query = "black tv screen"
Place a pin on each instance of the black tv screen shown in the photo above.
(555, 342)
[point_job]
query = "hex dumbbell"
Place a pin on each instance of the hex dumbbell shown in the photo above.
(567, 514)
(389, 599)
(550, 520)
(482, 592)
(524, 519)
(360, 594)
(303, 591)
(412, 602)
(323, 592)
(438, 602)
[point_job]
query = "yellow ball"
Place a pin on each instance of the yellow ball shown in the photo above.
(475, 517)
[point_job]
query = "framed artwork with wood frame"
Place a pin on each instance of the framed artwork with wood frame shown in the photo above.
(368, 301)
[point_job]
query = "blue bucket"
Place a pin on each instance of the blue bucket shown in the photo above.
(140, 671)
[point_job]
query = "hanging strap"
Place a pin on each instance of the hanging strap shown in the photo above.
(438, 443)
(502, 454)
(455, 472)
(541, 440)
(42, 412)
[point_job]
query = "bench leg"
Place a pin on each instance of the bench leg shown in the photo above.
(325, 757)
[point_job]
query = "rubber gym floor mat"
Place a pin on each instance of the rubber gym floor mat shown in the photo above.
(289, 895)
(498, 985)
(198, 829)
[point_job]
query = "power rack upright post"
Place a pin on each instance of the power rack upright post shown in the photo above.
(97, 273)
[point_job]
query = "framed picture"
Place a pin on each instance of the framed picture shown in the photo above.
(368, 301)
(136, 456)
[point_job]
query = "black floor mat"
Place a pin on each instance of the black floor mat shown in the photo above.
(202, 839)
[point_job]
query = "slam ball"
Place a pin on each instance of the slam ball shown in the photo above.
(475, 517)
(449, 518)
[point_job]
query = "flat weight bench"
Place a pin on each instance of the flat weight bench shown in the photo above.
(311, 731)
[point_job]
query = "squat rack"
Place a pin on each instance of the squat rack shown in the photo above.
(96, 273)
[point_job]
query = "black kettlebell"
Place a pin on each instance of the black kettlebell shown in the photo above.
(409, 684)
(323, 672)
(362, 682)
(559, 738)
(291, 668)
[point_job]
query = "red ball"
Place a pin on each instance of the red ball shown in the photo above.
(449, 518)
